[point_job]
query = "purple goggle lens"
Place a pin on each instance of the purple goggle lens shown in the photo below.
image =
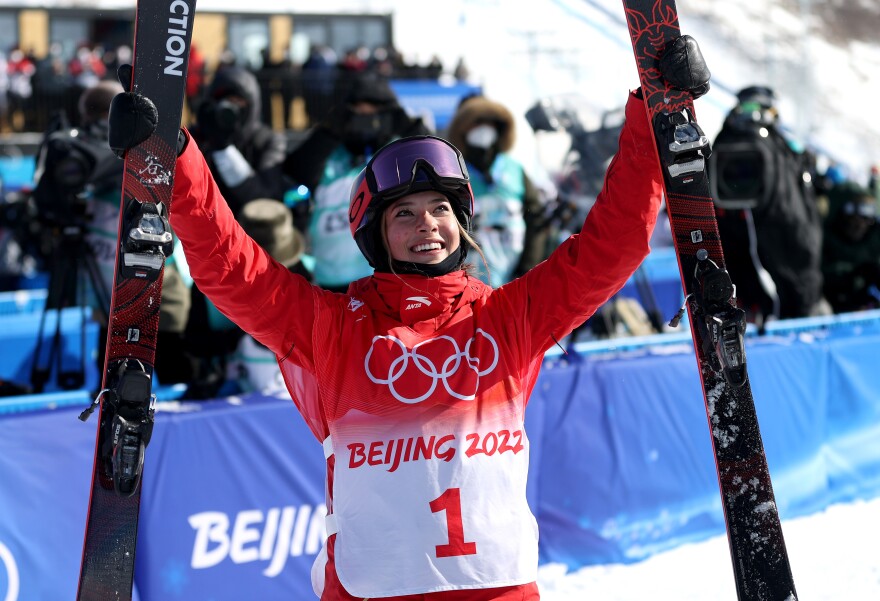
(394, 166)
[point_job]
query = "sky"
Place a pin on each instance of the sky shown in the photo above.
(834, 555)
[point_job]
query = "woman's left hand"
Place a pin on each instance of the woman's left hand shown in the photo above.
(682, 66)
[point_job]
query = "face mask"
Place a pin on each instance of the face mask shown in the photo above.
(364, 132)
(482, 136)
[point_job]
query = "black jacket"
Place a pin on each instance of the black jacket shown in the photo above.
(262, 147)
(787, 225)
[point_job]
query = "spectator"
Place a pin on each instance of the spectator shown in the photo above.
(434, 68)
(767, 212)
(237, 143)
(851, 250)
(355, 60)
(461, 72)
(382, 62)
(276, 77)
(508, 211)
(874, 183)
(86, 67)
(51, 88)
(328, 162)
(20, 68)
(196, 74)
(4, 93)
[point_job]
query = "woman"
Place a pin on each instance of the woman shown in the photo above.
(416, 380)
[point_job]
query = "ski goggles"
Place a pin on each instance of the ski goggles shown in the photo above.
(399, 165)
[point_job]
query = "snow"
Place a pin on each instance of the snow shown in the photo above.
(524, 51)
(833, 556)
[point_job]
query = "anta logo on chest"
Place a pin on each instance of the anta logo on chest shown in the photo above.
(415, 302)
(441, 366)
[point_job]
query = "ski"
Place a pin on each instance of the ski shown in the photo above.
(760, 561)
(163, 31)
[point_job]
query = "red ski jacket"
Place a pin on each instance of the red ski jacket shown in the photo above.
(417, 387)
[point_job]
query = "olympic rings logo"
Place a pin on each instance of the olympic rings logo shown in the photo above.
(12, 582)
(464, 386)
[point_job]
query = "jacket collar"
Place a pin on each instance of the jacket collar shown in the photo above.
(410, 299)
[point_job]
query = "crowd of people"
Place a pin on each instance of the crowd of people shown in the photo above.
(797, 242)
(32, 88)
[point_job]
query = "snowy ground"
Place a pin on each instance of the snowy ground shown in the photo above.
(835, 556)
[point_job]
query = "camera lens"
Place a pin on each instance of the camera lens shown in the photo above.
(740, 175)
(227, 115)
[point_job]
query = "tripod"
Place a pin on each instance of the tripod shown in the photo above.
(73, 268)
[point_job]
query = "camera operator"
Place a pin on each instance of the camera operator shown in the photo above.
(236, 143)
(767, 212)
(77, 199)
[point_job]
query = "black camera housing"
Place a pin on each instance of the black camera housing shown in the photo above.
(741, 174)
(68, 162)
(222, 115)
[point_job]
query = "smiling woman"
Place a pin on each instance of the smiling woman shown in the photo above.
(415, 192)
(421, 228)
(416, 380)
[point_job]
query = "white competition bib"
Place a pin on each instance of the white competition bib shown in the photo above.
(428, 508)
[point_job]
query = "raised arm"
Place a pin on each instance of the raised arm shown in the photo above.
(590, 267)
(266, 300)
(273, 305)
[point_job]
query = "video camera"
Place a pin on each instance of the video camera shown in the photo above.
(69, 163)
(741, 174)
(742, 165)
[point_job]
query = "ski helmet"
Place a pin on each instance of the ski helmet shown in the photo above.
(405, 166)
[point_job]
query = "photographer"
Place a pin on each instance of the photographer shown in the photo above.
(236, 143)
(329, 160)
(767, 212)
(77, 200)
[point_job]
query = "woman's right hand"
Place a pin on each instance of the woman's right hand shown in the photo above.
(133, 117)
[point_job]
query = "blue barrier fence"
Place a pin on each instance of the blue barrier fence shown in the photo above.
(621, 466)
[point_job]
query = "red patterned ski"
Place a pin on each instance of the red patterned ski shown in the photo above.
(760, 560)
(163, 31)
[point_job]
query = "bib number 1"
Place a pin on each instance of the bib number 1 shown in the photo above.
(450, 502)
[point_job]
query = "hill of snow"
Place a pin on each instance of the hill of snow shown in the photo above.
(823, 59)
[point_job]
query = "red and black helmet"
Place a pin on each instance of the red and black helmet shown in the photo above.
(402, 167)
